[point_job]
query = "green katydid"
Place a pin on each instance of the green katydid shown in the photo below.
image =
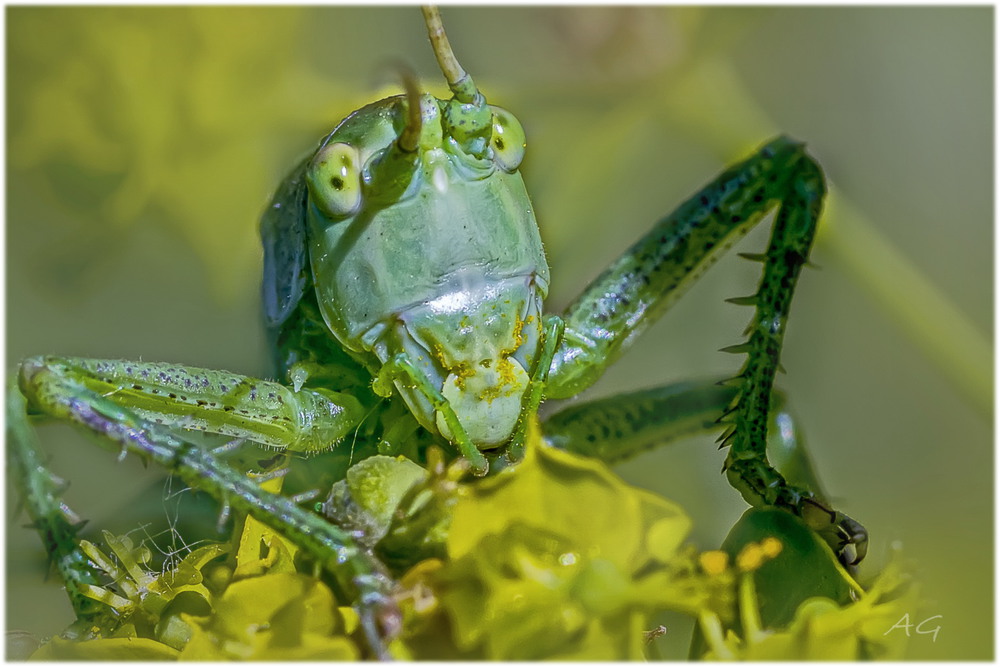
(403, 291)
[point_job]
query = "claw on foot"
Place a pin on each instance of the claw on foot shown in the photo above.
(847, 537)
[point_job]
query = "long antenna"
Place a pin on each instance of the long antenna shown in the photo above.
(459, 81)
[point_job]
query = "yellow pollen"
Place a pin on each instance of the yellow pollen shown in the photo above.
(713, 562)
(756, 554)
(750, 558)
(519, 330)
(771, 546)
(506, 381)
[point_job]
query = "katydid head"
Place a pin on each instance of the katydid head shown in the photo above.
(378, 156)
(423, 243)
(385, 152)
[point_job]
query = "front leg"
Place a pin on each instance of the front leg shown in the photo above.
(265, 412)
(641, 285)
(130, 406)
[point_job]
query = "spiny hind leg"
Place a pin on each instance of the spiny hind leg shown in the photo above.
(649, 277)
(645, 281)
(747, 466)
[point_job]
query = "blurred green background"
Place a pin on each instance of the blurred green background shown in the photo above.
(143, 144)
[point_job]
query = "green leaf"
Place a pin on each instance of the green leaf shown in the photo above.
(577, 497)
(275, 616)
(800, 603)
(805, 568)
(131, 649)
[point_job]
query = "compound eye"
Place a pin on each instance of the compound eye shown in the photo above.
(334, 180)
(508, 140)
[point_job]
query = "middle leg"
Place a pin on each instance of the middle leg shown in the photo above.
(619, 427)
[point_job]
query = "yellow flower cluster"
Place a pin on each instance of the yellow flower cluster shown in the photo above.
(556, 558)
